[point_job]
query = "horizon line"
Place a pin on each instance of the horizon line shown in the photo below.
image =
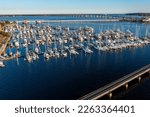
(38, 14)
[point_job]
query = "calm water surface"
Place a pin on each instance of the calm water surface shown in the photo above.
(75, 76)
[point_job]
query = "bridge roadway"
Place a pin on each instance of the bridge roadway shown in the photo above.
(107, 90)
(59, 21)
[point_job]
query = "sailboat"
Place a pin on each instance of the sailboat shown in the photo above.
(1, 64)
(28, 57)
(46, 54)
(87, 49)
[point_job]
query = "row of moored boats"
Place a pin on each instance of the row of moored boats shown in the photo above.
(32, 40)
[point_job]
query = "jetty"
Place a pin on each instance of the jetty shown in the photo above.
(122, 82)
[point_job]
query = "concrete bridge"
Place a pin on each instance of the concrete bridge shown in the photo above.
(108, 89)
(73, 21)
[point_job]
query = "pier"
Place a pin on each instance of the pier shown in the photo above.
(108, 89)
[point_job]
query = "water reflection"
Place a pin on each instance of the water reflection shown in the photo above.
(74, 76)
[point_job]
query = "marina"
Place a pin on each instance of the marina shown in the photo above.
(31, 39)
(87, 54)
(74, 58)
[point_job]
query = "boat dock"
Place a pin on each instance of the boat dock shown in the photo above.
(108, 89)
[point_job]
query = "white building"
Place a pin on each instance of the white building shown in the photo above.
(146, 19)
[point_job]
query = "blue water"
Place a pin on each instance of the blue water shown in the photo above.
(75, 76)
(66, 17)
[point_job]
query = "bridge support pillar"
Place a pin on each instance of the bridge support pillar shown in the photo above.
(139, 78)
(126, 85)
(110, 95)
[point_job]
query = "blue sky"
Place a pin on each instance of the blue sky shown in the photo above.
(73, 6)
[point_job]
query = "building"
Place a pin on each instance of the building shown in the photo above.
(146, 19)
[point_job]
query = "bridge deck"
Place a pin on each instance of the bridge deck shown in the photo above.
(58, 21)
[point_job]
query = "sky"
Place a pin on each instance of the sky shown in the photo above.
(73, 6)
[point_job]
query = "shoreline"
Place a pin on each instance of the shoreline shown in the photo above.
(4, 44)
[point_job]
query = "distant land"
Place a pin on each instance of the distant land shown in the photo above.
(52, 14)
(139, 14)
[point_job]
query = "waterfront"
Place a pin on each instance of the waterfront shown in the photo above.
(75, 76)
